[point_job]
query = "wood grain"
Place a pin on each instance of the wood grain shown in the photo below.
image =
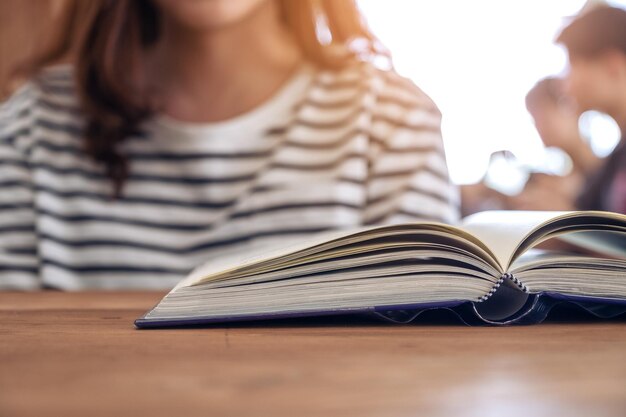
(78, 354)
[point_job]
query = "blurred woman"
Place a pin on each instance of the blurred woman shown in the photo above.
(190, 131)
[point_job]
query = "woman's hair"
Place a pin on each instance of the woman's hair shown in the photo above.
(595, 31)
(106, 39)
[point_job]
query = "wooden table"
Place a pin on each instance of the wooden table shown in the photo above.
(78, 354)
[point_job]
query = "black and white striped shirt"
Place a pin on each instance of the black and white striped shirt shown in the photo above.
(331, 149)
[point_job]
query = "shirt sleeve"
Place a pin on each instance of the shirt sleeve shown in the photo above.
(19, 265)
(408, 177)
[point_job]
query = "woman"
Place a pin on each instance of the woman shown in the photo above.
(190, 131)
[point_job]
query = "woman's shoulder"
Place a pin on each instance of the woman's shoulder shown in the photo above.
(52, 86)
(47, 99)
(384, 85)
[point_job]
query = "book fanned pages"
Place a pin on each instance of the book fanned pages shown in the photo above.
(496, 267)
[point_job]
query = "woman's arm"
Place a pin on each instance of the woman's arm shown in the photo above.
(408, 175)
(19, 264)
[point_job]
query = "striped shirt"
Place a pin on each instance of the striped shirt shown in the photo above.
(332, 149)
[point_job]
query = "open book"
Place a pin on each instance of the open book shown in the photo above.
(493, 268)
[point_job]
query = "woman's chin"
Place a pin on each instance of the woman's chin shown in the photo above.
(208, 14)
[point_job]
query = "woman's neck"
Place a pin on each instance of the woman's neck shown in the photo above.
(213, 75)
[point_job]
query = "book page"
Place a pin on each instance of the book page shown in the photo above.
(305, 250)
(609, 244)
(504, 231)
(249, 258)
(509, 233)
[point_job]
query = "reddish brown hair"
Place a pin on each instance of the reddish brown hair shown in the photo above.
(107, 38)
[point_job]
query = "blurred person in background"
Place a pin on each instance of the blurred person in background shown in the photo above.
(556, 121)
(596, 46)
(188, 131)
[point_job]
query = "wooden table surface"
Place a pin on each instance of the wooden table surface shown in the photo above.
(78, 354)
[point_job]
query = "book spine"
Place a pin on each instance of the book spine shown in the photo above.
(504, 277)
(517, 282)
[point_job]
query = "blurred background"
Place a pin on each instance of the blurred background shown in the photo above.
(477, 59)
